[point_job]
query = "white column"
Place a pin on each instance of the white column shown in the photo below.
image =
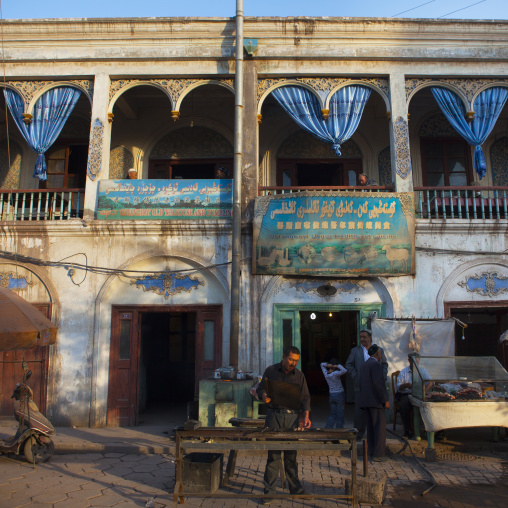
(402, 173)
(99, 144)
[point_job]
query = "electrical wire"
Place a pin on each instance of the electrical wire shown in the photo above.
(463, 8)
(413, 8)
(129, 274)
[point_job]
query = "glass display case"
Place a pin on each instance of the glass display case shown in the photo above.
(459, 378)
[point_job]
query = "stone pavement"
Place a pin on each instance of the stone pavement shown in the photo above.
(135, 467)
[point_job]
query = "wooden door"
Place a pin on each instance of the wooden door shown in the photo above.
(11, 372)
(123, 369)
(123, 393)
(208, 344)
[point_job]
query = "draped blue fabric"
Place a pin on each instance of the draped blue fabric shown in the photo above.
(50, 113)
(346, 109)
(487, 108)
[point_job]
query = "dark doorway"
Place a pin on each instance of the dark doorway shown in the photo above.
(484, 327)
(167, 360)
(330, 334)
(158, 355)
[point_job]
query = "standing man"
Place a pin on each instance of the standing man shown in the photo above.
(374, 399)
(354, 363)
(280, 417)
(404, 389)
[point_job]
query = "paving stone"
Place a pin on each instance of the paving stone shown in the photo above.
(51, 496)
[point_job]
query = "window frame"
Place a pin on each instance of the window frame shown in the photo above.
(444, 141)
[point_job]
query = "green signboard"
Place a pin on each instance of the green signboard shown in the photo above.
(335, 233)
(165, 199)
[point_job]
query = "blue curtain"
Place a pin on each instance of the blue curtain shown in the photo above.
(487, 107)
(49, 116)
(346, 109)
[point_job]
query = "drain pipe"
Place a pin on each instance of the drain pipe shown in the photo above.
(237, 192)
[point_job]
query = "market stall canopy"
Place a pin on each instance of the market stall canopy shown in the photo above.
(22, 326)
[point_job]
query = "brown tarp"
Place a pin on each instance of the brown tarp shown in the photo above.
(22, 326)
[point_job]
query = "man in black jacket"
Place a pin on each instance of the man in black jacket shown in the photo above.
(374, 400)
(354, 364)
(281, 417)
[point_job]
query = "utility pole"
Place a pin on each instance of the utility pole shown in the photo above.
(237, 192)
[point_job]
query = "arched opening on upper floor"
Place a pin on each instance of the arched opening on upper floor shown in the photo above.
(448, 173)
(441, 156)
(291, 156)
(146, 136)
(65, 154)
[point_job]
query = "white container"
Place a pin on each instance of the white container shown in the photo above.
(240, 375)
(216, 374)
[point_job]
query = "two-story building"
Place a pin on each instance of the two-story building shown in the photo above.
(136, 272)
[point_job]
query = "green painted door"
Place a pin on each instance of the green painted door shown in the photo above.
(286, 321)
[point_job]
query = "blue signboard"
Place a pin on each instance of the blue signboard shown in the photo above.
(165, 199)
(334, 233)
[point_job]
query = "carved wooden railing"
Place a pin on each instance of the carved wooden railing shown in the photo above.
(270, 191)
(41, 204)
(431, 202)
(461, 202)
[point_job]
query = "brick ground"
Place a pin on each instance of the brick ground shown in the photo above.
(129, 480)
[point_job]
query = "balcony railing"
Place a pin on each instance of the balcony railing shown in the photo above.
(41, 204)
(270, 191)
(461, 202)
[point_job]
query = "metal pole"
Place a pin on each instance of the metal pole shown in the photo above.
(237, 192)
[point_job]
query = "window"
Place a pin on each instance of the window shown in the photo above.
(318, 173)
(66, 167)
(446, 162)
(190, 169)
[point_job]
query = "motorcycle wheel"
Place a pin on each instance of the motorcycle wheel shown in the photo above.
(38, 453)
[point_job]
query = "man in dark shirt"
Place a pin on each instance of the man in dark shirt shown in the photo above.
(280, 417)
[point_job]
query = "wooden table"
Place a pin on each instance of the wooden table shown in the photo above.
(226, 439)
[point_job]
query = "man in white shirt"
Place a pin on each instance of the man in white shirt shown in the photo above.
(404, 389)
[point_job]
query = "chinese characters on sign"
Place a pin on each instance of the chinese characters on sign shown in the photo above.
(325, 233)
(165, 199)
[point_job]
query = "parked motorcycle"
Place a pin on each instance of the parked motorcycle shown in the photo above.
(32, 437)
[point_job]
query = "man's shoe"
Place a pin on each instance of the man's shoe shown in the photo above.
(380, 459)
(265, 501)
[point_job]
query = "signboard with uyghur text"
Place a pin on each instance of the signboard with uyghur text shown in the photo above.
(354, 234)
(165, 199)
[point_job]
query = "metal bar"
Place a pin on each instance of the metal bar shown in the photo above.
(443, 204)
(264, 446)
(428, 204)
(365, 458)
(232, 435)
(222, 495)
(467, 204)
(474, 206)
(236, 240)
(354, 480)
(459, 208)
(498, 215)
(451, 204)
